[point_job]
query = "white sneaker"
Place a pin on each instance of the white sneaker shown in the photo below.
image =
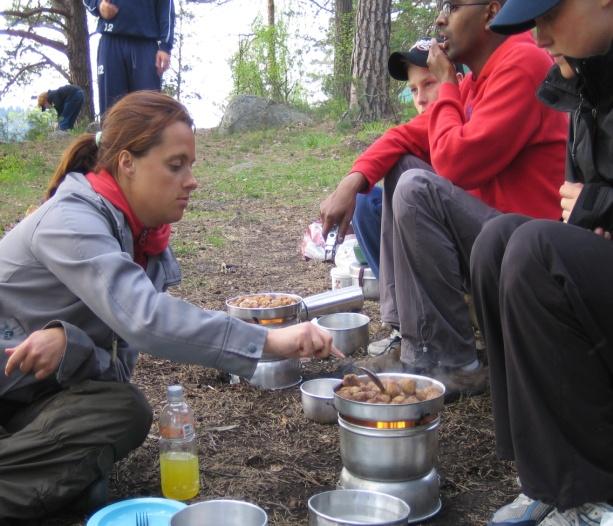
(523, 511)
(589, 514)
(386, 344)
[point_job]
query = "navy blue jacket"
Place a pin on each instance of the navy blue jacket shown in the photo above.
(149, 19)
(57, 98)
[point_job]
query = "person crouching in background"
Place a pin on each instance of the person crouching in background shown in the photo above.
(67, 101)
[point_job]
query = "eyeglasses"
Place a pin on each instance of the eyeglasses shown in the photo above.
(446, 8)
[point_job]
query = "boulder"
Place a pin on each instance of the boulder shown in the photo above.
(248, 112)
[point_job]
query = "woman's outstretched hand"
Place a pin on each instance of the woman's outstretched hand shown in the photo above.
(39, 354)
(298, 341)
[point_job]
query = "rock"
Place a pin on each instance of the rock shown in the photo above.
(248, 112)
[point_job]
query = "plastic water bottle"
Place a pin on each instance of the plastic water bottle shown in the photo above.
(178, 449)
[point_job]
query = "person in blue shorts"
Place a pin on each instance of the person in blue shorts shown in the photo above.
(135, 46)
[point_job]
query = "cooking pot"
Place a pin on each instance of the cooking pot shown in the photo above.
(363, 276)
(307, 308)
(348, 507)
(220, 512)
(367, 411)
(349, 330)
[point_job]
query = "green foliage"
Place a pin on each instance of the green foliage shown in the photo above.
(261, 66)
(41, 123)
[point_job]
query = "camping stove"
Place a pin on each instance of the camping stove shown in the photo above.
(393, 449)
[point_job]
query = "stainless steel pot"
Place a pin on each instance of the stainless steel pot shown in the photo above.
(266, 316)
(220, 512)
(356, 508)
(349, 330)
(422, 494)
(393, 412)
(388, 455)
(276, 373)
(341, 300)
(318, 399)
(362, 276)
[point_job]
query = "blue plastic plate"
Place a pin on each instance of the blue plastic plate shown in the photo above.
(123, 513)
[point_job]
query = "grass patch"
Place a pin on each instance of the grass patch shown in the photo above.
(23, 176)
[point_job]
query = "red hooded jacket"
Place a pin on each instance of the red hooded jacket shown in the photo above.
(490, 136)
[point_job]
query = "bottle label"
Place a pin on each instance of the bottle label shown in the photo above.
(188, 430)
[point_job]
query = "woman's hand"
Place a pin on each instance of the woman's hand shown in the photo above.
(39, 354)
(298, 341)
(569, 192)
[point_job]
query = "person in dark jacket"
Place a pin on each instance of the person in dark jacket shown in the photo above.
(544, 294)
(135, 46)
(67, 101)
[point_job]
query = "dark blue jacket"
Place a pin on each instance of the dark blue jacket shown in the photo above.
(57, 98)
(149, 19)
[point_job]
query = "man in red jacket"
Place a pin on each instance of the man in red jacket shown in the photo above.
(486, 147)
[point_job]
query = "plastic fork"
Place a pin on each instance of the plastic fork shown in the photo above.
(142, 519)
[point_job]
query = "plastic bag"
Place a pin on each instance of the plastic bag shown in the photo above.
(313, 245)
(345, 255)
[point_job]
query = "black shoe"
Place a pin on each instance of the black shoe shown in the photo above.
(95, 496)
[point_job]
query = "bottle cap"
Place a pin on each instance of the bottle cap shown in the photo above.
(175, 393)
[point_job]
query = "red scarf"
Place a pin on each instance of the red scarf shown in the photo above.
(147, 241)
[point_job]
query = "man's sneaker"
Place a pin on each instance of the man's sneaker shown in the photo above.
(523, 511)
(585, 515)
(386, 344)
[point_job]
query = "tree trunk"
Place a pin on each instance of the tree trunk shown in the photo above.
(343, 39)
(77, 51)
(369, 97)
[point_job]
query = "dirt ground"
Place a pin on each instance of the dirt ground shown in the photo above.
(257, 445)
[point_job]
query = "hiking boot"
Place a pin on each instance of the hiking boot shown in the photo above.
(523, 511)
(589, 514)
(470, 380)
(386, 344)
(388, 362)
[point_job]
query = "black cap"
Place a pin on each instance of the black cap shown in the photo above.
(517, 16)
(417, 55)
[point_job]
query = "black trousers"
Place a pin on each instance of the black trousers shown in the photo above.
(52, 449)
(544, 297)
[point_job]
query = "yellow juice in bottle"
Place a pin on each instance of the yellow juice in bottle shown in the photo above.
(180, 475)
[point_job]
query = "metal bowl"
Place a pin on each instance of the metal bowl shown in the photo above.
(349, 330)
(220, 512)
(276, 315)
(277, 374)
(346, 507)
(318, 399)
(393, 412)
(421, 494)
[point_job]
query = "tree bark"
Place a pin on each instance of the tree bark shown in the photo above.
(369, 98)
(343, 38)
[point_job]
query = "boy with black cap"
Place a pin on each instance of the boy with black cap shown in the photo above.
(543, 290)
(484, 147)
(411, 67)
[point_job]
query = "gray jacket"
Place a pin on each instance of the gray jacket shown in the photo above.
(70, 263)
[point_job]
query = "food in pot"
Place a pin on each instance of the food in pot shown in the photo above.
(262, 301)
(403, 391)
